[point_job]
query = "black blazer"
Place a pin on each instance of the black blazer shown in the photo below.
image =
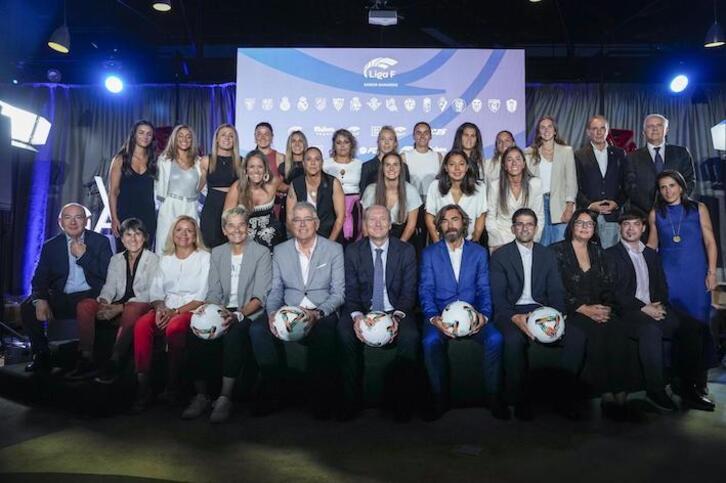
(369, 173)
(51, 273)
(506, 274)
(592, 186)
(576, 292)
(624, 282)
(401, 273)
(641, 174)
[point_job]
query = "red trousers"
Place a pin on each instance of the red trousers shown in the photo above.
(86, 311)
(175, 334)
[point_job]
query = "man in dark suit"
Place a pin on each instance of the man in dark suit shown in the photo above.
(72, 267)
(645, 163)
(641, 296)
(457, 269)
(601, 179)
(380, 275)
(525, 276)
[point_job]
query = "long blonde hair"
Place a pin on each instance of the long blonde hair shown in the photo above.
(245, 187)
(215, 147)
(170, 248)
(288, 150)
(171, 151)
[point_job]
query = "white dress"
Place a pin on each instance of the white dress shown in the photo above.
(473, 205)
(177, 190)
(499, 223)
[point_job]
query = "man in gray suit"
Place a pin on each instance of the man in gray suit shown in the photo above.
(308, 272)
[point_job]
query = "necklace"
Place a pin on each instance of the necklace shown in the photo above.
(676, 233)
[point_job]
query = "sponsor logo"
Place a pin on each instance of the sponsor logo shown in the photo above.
(302, 104)
(400, 130)
(354, 130)
(476, 105)
(338, 103)
(367, 150)
(355, 104)
(323, 130)
(458, 104)
(494, 104)
(380, 68)
(267, 104)
(285, 104)
(374, 103)
(391, 104)
(442, 103)
(320, 103)
(375, 130)
(438, 131)
(409, 104)
(249, 103)
(294, 128)
(426, 104)
(511, 105)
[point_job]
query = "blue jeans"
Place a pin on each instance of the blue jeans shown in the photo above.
(435, 345)
(552, 232)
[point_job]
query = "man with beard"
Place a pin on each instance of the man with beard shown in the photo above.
(457, 269)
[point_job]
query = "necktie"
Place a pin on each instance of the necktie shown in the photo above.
(378, 285)
(658, 160)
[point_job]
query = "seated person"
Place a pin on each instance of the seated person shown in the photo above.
(641, 296)
(380, 275)
(457, 269)
(72, 267)
(240, 274)
(179, 287)
(124, 298)
(524, 277)
(307, 272)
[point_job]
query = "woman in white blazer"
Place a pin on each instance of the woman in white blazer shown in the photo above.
(553, 161)
(123, 299)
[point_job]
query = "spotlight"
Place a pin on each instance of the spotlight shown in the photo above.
(54, 75)
(16, 82)
(60, 41)
(114, 84)
(715, 36)
(161, 5)
(26, 128)
(679, 83)
(382, 14)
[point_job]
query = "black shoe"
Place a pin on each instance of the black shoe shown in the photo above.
(85, 369)
(693, 399)
(523, 412)
(613, 411)
(434, 412)
(109, 374)
(662, 401)
(499, 409)
(40, 363)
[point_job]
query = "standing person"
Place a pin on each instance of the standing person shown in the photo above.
(646, 163)
(380, 275)
(493, 165)
(255, 191)
(524, 277)
(307, 272)
(263, 141)
(682, 232)
(179, 183)
(131, 181)
(589, 299)
(601, 171)
(290, 169)
(72, 267)
(387, 143)
(343, 165)
(240, 275)
(321, 190)
(219, 171)
(393, 192)
(457, 269)
(178, 288)
(456, 184)
(552, 160)
(516, 188)
(641, 295)
(423, 162)
(468, 139)
(123, 299)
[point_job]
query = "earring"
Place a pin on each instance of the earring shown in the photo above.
(266, 177)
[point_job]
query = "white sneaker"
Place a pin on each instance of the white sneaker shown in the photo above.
(199, 405)
(222, 410)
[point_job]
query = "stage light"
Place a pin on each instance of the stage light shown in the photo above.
(60, 41)
(15, 82)
(161, 5)
(715, 36)
(54, 75)
(679, 83)
(718, 136)
(382, 14)
(26, 128)
(114, 84)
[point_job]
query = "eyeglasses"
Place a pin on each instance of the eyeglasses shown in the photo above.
(303, 221)
(520, 224)
(585, 224)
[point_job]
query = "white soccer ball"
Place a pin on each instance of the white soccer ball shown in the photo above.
(546, 324)
(376, 329)
(291, 323)
(460, 317)
(207, 322)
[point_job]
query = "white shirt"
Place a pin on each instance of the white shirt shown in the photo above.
(305, 303)
(347, 173)
(642, 278)
(76, 281)
(651, 150)
(474, 205)
(178, 282)
(601, 156)
(545, 174)
(455, 255)
(234, 279)
(423, 168)
(499, 222)
(413, 201)
(526, 254)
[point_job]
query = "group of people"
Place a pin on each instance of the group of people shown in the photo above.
(406, 234)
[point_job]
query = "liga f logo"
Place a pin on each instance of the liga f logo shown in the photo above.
(380, 68)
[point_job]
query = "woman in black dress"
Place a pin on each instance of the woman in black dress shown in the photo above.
(131, 181)
(219, 172)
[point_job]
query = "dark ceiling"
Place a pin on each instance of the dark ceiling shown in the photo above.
(565, 40)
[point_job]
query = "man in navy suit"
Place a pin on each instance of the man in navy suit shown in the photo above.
(601, 179)
(525, 276)
(380, 274)
(457, 269)
(72, 267)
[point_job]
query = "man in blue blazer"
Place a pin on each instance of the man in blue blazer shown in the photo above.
(380, 274)
(457, 269)
(72, 267)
